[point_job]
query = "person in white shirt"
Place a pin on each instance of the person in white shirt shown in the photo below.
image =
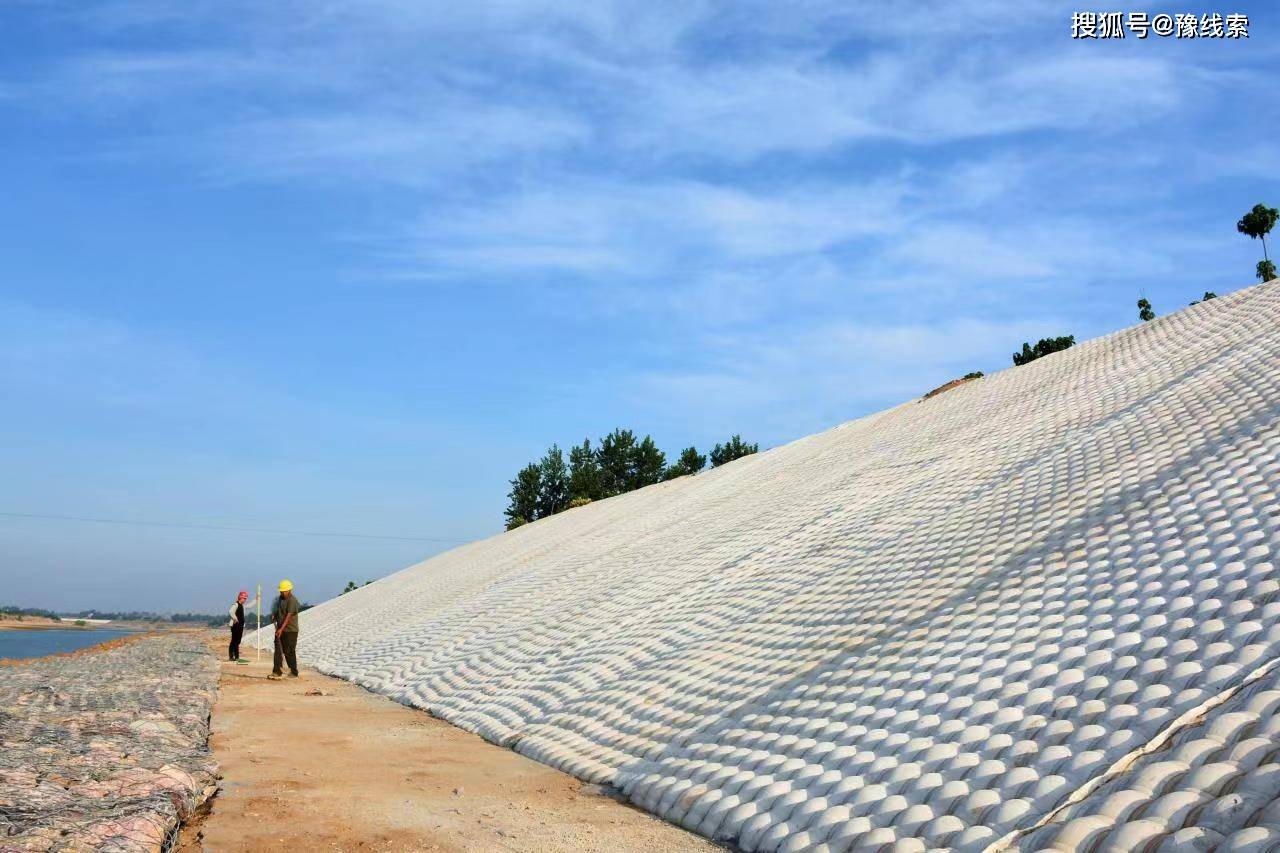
(237, 626)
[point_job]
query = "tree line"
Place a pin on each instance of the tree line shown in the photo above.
(20, 612)
(116, 616)
(618, 463)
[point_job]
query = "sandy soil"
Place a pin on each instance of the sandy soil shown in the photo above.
(954, 383)
(40, 623)
(37, 623)
(319, 764)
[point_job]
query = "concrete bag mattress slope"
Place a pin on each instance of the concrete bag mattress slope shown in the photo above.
(1037, 611)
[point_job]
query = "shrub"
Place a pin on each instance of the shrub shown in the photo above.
(1043, 347)
(734, 448)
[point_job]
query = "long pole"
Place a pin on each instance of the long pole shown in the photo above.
(259, 609)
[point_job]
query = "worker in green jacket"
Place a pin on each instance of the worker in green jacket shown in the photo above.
(284, 614)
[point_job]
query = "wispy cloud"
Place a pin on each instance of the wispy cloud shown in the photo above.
(646, 229)
(815, 376)
(706, 164)
(455, 88)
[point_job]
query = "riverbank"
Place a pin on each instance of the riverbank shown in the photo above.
(9, 622)
(106, 749)
(316, 763)
(39, 623)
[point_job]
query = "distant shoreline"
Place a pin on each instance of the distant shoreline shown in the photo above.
(41, 623)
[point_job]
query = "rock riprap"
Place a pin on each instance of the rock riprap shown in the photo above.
(106, 750)
(974, 621)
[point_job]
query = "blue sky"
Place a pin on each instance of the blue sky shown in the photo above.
(333, 266)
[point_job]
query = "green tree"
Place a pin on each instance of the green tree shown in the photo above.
(648, 465)
(526, 488)
(1266, 270)
(689, 462)
(553, 483)
(584, 473)
(1257, 224)
(616, 459)
(1144, 311)
(350, 586)
(974, 374)
(692, 461)
(734, 448)
(1043, 347)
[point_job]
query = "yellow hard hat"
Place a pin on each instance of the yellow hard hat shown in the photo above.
(286, 585)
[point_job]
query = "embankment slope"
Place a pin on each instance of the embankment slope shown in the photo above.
(936, 626)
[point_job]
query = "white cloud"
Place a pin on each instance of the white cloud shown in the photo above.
(613, 88)
(742, 112)
(646, 229)
(439, 142)
(814, 377)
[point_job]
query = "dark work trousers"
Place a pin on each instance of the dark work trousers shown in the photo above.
(233, 651)
(286, 650)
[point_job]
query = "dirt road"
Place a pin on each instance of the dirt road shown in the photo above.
(348, 770)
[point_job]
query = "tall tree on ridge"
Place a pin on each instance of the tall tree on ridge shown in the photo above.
(584, 473)
(553, 483)
(648, 465)
(525, 491)
(689, 462)
(617, 459)
(1257, 223)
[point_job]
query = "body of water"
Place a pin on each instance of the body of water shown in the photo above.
(37, 644)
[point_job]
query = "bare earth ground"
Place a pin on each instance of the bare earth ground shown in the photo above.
(349, 770)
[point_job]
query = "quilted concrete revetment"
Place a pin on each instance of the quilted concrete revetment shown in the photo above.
(1037, 611)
